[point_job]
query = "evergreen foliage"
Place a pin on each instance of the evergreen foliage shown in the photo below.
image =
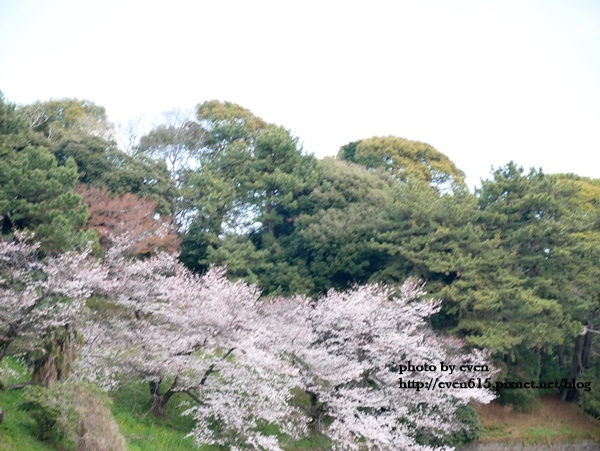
(38, 195)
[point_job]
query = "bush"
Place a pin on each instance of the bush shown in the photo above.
(46, 409)
(74, 415)
(470, 429)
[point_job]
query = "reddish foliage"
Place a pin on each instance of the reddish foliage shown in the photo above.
(130, 215)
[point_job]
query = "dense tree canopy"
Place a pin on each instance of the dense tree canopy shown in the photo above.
(55, 119)
(246, 192)
(405, 159)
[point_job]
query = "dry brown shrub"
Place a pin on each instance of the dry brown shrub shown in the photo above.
(97, 430)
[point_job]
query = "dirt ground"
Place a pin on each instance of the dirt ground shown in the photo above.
(550, 421)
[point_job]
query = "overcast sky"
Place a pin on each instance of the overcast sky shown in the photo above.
(484, 82)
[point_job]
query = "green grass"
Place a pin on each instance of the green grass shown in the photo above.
(17, 431)
(143, 431)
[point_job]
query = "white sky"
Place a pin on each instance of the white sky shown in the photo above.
(484, 82)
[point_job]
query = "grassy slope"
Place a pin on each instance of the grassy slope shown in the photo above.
(145, 432)
(17, 431)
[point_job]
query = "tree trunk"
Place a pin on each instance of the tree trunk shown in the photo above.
(561, 356)
(158, 400)
(587, 348)
(158, 405)
(538, 354)
(3, 348)
(569, 394)
(581, 362)
(313, 404)
(316, 412)
(59, 352)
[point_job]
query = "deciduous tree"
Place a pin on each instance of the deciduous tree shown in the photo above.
(241, 359)
(114, 215)
(184, 333)
(178, 143)
(40, 299)
(353, 351)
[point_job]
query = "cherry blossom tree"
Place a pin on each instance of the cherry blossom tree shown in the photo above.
(40, 300)
(368, 359)
(361, 356)
(184, 333)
